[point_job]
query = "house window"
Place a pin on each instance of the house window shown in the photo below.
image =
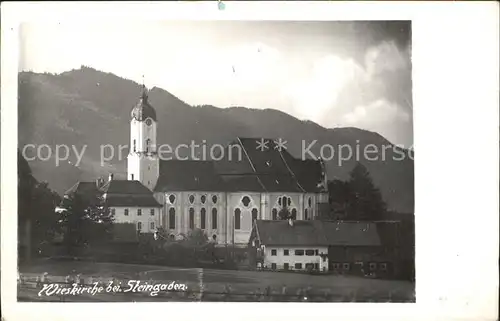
(286, 266)
(299, 252)
(171, 218)
(309, 266)
(273, 252)
(152, 212)
(139, 226)
(373, 266)
(346, 266)
(310, 252)
(214, 199)
(294, 214)
(191, 199)
(245, 200)
(286, 252)
(383, 266)
(203, 217)
(113, 211)
(214, 218)
(316, 252)
(275, 214)
(152, 225)
(191, 218)
(139, 212)
(306, 215)
(316, 266)
(125, 212)
(255, 213)
(298, 266)
(273, 266)
(171, 199)
(237, 218)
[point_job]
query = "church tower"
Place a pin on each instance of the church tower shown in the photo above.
(142, 161)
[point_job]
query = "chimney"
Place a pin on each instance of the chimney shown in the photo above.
(110, 177)
(290, 222)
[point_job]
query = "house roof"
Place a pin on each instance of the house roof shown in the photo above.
(132, 201)
(115, 186)
(118, 193)
(314, 233)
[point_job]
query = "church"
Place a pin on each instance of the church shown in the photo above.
(253, 179)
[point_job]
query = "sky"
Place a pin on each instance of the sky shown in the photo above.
(337, 74)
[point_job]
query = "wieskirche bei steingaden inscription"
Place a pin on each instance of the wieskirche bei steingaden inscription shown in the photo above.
(216, 161)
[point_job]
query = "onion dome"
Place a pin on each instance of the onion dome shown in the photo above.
(143, 109)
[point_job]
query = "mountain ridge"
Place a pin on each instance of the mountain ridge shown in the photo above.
(87, 107)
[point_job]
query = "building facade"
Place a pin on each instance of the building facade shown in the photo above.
(223, 197)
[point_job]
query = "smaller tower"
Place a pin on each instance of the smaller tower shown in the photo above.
(142, 161)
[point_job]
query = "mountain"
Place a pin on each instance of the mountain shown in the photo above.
(86, 107)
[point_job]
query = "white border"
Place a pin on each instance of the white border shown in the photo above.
(455, 77)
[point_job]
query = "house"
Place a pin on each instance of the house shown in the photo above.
(320, 245)
(128, 201)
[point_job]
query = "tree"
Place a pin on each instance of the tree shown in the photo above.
(365, 200)
(37, 223)
(84, 220)
(339, 196)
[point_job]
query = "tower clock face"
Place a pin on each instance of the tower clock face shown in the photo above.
(148, 122)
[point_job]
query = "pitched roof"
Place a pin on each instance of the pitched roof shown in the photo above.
(115, 186)
(132, 201)
(315, 232)
(188, 175)
(83, 188)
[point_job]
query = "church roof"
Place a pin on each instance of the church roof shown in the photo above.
(143, 109)
(319, 233)
(188, 175)
(245, 166)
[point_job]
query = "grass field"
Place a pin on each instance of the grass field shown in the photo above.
(222, 285)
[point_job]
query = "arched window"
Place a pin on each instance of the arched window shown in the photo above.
(191, 218)
(214, 218)
(255, 213)
(309, 201)
(148, 141)
(306, 215)
(279, 201)
(294, 214)
(245, 200)
(237, 219)
(135, 145)
(275, 214)
(203, 217)
(191, 199)
(171, 218)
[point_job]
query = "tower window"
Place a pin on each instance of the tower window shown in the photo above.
(147, 145)
(237, 219)
(135, 146)
(171, 218)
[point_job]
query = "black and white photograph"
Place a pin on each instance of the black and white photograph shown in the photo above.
(216, 161)
(249, 160)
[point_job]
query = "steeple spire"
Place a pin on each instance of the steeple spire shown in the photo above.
(144, 94)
